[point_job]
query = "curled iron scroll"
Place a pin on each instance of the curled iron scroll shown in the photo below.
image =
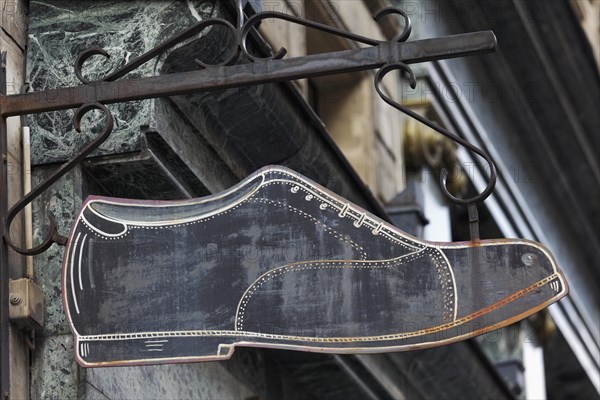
(470, 203)
(402, 36)
(253, 22)
(156, 51)
(53, 236)
(491, 183)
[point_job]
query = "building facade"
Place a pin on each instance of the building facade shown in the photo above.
(531, 105)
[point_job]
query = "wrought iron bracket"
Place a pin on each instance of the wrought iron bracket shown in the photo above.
(389, 56)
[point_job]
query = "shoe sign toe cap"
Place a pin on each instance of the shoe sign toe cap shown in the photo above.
(519, 276)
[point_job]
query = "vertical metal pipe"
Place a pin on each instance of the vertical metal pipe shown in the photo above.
(4, 288)
(26, 167)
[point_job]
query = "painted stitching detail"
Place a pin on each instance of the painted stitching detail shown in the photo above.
(331, 231)
(344, 211)
(198, 221)
(315, 266)
(199, 333)
(446, 284)
(93, 231)
(378, 229)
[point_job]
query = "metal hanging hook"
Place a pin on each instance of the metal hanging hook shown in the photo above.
(402, 36)
(470, 203)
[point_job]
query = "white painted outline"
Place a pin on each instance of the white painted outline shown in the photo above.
(72, 280)
(509, 242)
(322, 340)
(453, 281)
(180, 221)
(99, 231)
(79, 263)
(330, 199)
(330, 350)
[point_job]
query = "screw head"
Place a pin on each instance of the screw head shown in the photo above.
(15, 299)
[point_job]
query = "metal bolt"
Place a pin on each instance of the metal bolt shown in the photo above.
(16, 299)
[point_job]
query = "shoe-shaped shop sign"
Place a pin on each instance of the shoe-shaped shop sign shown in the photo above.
(279, 261)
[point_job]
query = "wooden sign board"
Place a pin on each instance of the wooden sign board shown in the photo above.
(279, 261)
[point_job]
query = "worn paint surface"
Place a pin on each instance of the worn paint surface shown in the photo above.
(279, 261)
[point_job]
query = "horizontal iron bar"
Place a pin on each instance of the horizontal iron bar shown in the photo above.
(259, 72)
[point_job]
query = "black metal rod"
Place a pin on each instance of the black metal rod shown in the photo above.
(259, 72)
(473, 222)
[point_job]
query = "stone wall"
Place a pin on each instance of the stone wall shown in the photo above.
(59, 30)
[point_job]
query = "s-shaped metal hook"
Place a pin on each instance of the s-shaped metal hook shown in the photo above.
(470, 203)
